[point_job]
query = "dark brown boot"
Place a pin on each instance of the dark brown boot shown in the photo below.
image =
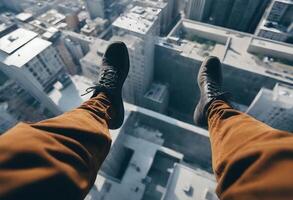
(210, 84)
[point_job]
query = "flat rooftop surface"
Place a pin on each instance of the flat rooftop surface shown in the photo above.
(197, 41)
(138, 19)
(16, 39)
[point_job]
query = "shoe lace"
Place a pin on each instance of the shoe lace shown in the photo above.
(214, 89)
(107, 80)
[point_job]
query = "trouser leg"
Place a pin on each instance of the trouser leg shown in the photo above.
(250, 159)
(57, 158)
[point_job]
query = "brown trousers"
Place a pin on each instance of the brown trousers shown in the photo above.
(59, 158)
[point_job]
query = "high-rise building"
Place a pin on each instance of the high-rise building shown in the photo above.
(96, 8)
(143, 25)
(21, 100)
(156, 157)
(195, 9)
(249, 63)
(100, 8)
(167, 16)
(92, 61)
(274, 107)
(277, 22)
(13, 5)
(241, 15)
(36, 57)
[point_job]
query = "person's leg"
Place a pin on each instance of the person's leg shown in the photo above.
(59, 158)
(250, 159)
(56, 158)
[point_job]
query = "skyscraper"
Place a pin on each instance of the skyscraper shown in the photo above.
(196, 9)
(142, 24)
(101, 8)
(96, 8)
(274, 107)
(36, 57)
(277, 23)
(241, 15)
(21, 100)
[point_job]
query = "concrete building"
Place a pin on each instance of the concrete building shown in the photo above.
(144, 24)
(21, 100)
(167, 9)
(100, 8)
(94, 27)
(13, 5)
(35, 56)
(156, 157)
(95, 8)
(274, 107)
(241, 15)
(92, 61)
(7, 120)
(249, 63)
(6, 26)
(157, 98)
(197, 9)
(277, 22)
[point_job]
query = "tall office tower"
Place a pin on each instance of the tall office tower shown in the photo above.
(143, 23)
(167, 16)
(136, 84)
(100, 8)
(196, 9)
(21, 100)
(274, 107)
(35, 56)
(13, 5)
(96, 8)
(277, 22)
(241, 15)
(246, 14)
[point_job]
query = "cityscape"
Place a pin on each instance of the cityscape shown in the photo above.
(51, 52)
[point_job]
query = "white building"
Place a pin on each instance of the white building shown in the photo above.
(277, 22)
(35, 56)
(144, 24)
(274, 107)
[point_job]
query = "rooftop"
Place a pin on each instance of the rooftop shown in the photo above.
(24, 17)
(248, 52)
(21, 46)
(157, 92)
(52, 17)
(138, 19)
(13, 41)
(190, 184)
(154, 154)
(97, 50)
(27, 52)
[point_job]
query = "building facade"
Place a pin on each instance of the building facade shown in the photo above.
(144, 25)
(277, 23)
(21, 100)
(36, 57)
(274, 107)
(241, 15)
